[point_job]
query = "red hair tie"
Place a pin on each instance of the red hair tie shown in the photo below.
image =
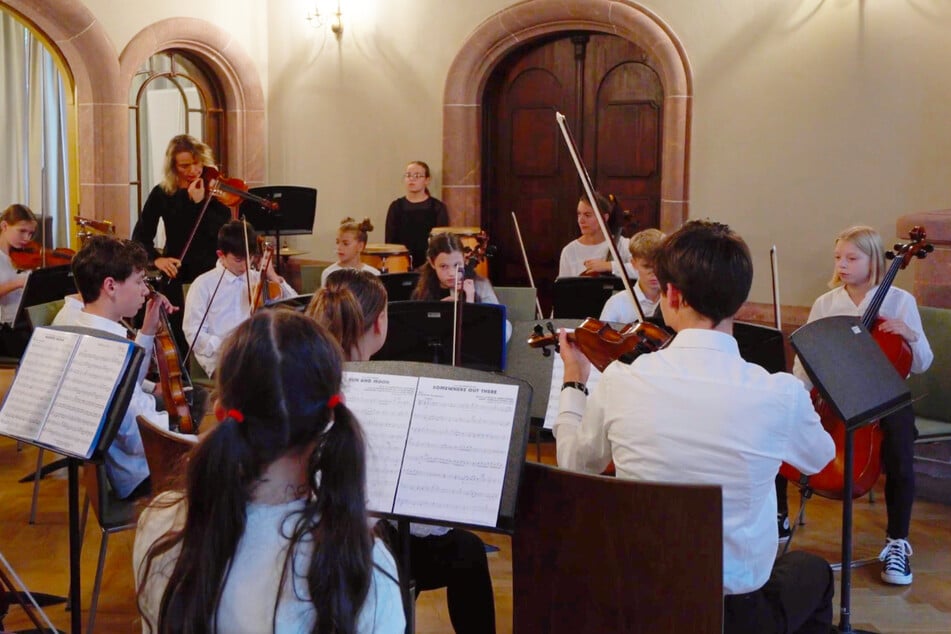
(335, 400)
(236, 415)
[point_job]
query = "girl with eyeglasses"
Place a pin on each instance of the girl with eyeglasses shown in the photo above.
(411, 218)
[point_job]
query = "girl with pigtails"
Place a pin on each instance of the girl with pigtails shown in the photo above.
(269, 530)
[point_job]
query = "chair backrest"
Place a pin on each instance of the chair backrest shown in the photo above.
(581, 297)
(43, 314)
(519, 302)
(165, 453)
(310, 277)
(111, 512)
(932, 389)
(597, 554)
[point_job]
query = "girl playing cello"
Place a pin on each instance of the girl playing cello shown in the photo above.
(858, 269)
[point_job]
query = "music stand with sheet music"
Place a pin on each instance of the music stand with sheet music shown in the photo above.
(480, 418)
(41, 358)
(42, 285)
(297, 208)
(856, 378)
(580, 297)
(423, 331)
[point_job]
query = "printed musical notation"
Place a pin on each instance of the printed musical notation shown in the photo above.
(437, 448)
(62, 390)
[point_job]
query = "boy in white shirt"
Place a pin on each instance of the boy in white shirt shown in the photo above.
(218, 300)
(620, 308)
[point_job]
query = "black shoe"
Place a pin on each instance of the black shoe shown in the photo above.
(783, 528)
(897, 570)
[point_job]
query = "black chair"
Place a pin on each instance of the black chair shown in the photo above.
(580, 297)
(399, 286)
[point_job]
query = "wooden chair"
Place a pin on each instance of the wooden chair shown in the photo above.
(165, 453)
(595, 554)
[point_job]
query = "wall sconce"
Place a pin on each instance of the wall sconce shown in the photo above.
(318, 18)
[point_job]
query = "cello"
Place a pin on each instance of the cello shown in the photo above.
(867, 441)
(173, 377)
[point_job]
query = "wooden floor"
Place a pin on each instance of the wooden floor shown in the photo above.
(39, 554)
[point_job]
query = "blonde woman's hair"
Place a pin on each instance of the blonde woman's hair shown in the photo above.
(645, 244)
(868, 241)
(200, 152)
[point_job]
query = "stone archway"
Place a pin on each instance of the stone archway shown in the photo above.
(234, 69)
(100, 111)
(512, 27)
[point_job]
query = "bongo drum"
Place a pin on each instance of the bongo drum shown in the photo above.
(388, 258)
(469, 237)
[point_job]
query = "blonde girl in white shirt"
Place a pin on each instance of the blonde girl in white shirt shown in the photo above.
(17, 226)
(858, 270)
(351, 241)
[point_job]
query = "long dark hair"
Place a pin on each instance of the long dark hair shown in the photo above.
(428, 287)
(348, 304)
(278, 369)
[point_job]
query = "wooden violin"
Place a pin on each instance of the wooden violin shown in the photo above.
(33, 256)
(230, 191)
(867, 441)
(602, 344)
(265, 289)
(172, 376)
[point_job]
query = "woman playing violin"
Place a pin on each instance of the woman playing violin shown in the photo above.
(17, 225)
(589, 252)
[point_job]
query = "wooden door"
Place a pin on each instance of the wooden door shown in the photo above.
(612, 100)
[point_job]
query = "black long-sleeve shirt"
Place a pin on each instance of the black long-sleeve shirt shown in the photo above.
(409, 224)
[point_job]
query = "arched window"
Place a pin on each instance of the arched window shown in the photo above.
(37, 165)
(172, 93)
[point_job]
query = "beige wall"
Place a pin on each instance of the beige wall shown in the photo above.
(809, 115)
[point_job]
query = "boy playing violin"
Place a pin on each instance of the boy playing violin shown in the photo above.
(110, 277)
(218, 299)
(696, 413)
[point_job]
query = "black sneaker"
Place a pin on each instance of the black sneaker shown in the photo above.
(896, 570)
(782, 524)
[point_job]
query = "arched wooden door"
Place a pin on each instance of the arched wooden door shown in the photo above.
(613, 101)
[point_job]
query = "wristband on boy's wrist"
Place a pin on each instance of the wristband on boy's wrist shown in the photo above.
(575, 384)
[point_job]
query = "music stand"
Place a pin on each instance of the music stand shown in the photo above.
(298, 303)
(294, 216)
(580, 297)
(42, 286)
(423, 331)
(761, 345)
(858, 381)
(399, 286)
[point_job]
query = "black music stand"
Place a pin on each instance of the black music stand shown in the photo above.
(399, 286)
(761, 345)
(580, 297)
(423, 331)
(297, 208)
(858, 381)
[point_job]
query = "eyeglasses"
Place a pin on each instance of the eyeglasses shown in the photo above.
(414, 175)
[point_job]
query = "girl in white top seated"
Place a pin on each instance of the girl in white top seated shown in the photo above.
(858, 270)
(17, 225)
(269, 532)
(351, 241)
(590, 252)
(619, 307)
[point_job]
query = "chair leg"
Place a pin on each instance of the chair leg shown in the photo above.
(796, 524)
(98, 583)
(36, 485)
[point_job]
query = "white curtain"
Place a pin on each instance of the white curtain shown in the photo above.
(33, 153)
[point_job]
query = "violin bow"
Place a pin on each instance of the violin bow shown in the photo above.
(774, 267)
(457, 308)
(528, 269)
(589, 192)
(247, 265)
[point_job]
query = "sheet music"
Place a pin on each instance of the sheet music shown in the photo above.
(457, 450)
(37, 380)
(76, 416)
(557, 379)
(383, 403)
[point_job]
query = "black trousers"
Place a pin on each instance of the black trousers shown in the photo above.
(457, 562)
(797, 599)
(898, 455)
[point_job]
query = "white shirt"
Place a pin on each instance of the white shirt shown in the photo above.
(10, 302)
(620, 308)
(248, 596)
(228, 309)
(574, 255)
(697, 413)
(336, 267)
(126, 466)
(898, 304)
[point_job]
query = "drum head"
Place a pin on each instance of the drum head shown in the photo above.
(385, 249)
(459, 231)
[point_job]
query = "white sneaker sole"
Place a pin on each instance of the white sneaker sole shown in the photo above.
(897, 579)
